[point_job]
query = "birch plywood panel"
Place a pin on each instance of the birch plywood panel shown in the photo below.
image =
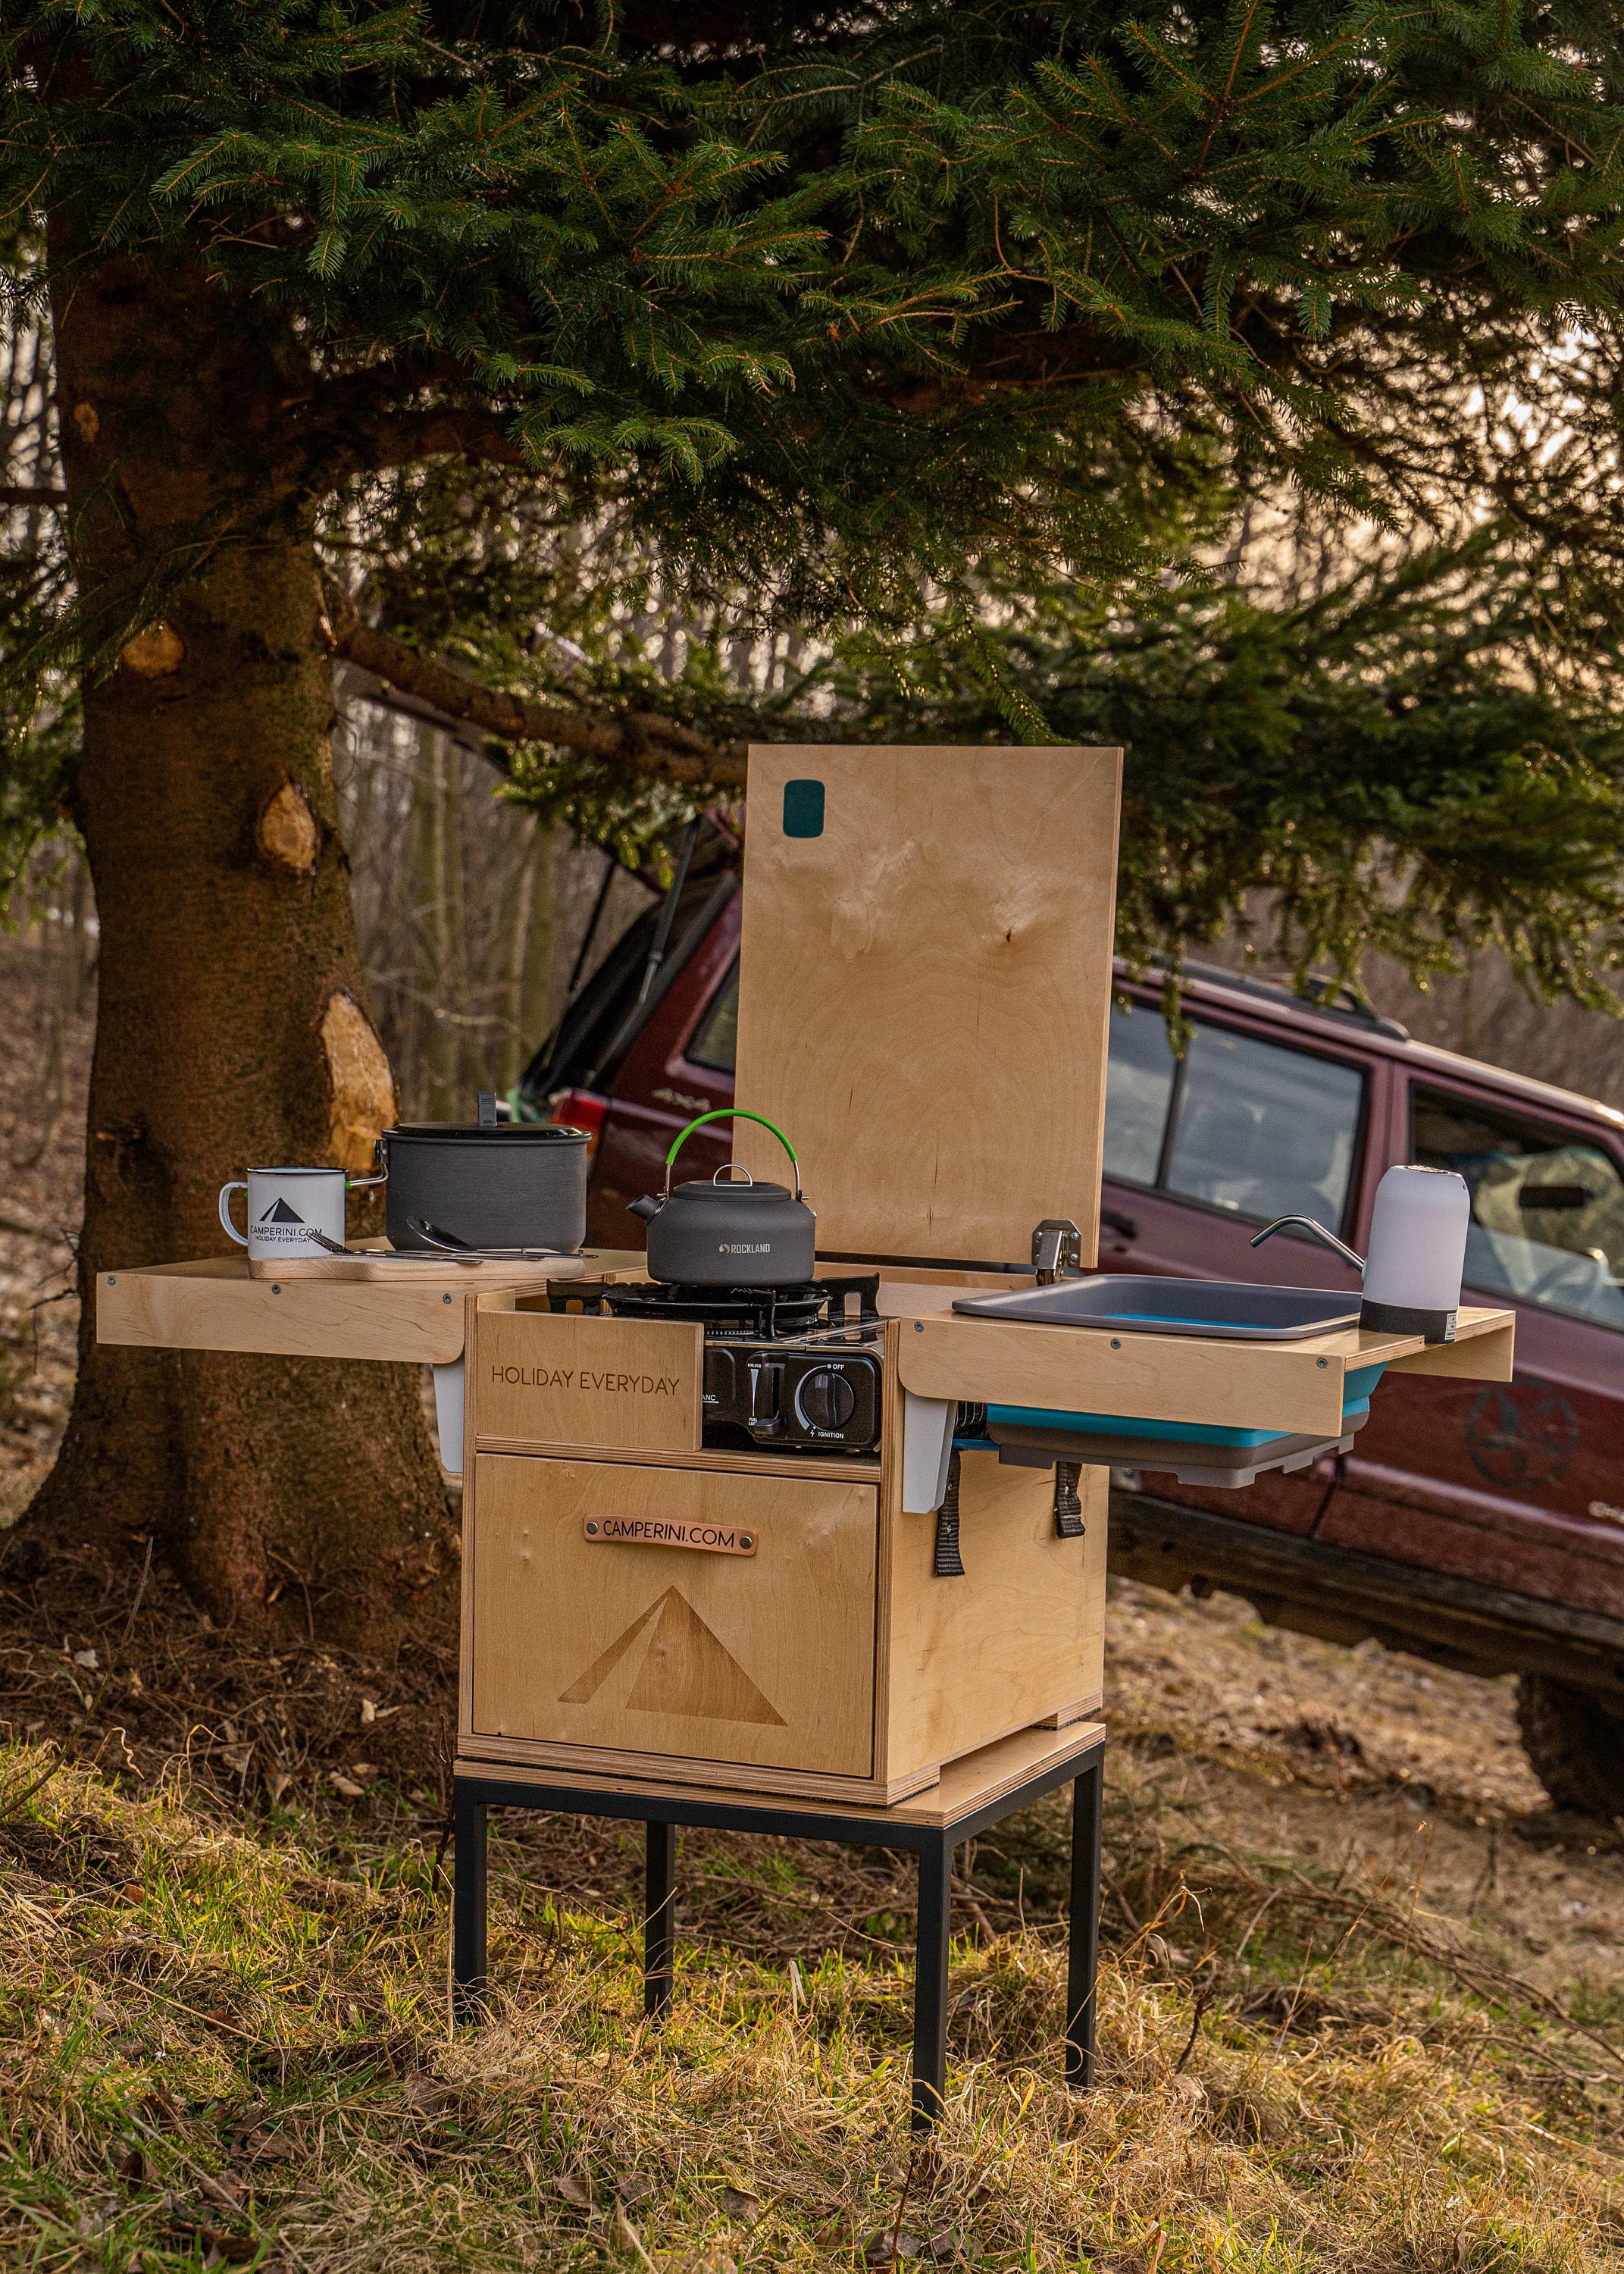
(213, 1305)
(925, 989)
(1018, 1639)
(765, 1657)
(964, 1786)
(565, 1378)
(1280, 1385)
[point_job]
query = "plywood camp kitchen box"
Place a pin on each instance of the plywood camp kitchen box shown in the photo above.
(769, 1621)
(924, 998)
(925, 983)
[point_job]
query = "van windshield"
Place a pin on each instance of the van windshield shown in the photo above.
(1547, 1221)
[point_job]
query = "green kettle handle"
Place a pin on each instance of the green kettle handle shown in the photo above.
(729, 1113)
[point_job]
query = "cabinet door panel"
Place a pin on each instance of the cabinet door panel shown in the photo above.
(764, 1658)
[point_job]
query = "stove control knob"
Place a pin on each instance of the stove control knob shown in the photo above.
(826, 1399)
(766, 1384)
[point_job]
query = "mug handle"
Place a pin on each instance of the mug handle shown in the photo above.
(226, 1192)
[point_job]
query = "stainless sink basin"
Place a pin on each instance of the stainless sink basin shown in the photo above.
(1123, 1302)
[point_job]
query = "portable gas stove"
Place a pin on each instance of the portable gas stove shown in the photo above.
(796, 1368)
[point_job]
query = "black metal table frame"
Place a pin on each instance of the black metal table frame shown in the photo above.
(664, 1812)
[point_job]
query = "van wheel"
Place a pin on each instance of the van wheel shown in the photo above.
(1574, 1745)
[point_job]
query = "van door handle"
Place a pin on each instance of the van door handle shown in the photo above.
(1115, 1221)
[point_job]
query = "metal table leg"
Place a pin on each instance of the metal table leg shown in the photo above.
(659, 1935)
(662, 1814)
(1083, 1957)
(467, 1903)
(935, 1882)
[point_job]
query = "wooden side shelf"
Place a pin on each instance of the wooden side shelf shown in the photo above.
(1296, 1386)
(211, 1304)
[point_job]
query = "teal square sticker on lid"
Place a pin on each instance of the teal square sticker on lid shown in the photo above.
(803, 808)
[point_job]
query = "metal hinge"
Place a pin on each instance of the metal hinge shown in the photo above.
(1057, 1250)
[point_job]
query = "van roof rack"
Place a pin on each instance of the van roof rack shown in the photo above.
(1330, 997)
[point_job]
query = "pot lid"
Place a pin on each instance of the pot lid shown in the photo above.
(758, 1191)
(504, 1133)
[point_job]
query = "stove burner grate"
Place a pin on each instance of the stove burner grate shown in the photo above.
(747, 1313)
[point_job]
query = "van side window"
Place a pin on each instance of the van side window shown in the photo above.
(715, 1040)
(1547, 1220)
(1244, 1124)
(1139, 1090)
(1265, 1130)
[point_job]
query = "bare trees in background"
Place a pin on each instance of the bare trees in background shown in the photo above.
(1485, 1013)
(49, 989)
(470, 913)
(456, 901)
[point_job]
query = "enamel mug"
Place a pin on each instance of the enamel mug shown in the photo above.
(285, 1206)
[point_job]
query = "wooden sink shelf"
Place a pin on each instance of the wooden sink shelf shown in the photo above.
(1297, 1386)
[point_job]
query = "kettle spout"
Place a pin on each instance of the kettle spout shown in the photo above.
(646, 1208)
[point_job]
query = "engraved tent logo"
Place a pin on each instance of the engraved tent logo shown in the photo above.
(683, 1669)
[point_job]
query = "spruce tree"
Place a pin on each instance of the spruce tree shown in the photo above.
(844, 317)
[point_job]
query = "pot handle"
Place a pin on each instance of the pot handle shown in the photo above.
(729, 1113)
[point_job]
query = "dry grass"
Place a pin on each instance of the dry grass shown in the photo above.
(214, 2045)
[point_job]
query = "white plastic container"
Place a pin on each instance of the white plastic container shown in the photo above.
(1418, 1253)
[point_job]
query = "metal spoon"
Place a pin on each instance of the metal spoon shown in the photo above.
(446, 1243)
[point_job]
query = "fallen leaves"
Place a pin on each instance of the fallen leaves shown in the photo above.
(425, 2096)
(626, 2239)
(268, 2147)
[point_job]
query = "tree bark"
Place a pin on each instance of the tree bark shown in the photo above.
(231, 1022)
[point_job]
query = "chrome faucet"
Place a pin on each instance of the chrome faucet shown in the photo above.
(1320, 1232)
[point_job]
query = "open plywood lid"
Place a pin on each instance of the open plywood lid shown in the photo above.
(925, 990)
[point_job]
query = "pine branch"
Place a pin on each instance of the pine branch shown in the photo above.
(637, 743)
(404, 438)
(364, 419)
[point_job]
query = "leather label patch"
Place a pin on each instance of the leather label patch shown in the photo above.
(667, 1531)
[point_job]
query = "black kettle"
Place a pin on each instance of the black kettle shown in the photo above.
(730, 1235)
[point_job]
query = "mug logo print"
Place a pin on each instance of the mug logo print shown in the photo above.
(279, 1212)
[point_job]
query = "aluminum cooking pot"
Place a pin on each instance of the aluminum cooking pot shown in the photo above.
(729, 1235)
(495, 1184)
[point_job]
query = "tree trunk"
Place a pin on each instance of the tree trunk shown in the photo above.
(231, 1026)
(442, 950)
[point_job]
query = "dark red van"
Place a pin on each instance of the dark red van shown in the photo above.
(1481, 1526)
